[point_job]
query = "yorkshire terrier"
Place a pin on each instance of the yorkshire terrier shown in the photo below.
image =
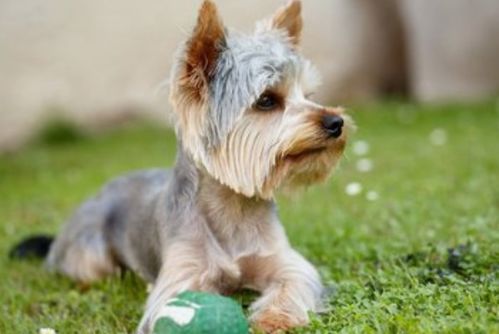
(245, 127)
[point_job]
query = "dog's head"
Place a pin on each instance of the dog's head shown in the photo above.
(242, 107)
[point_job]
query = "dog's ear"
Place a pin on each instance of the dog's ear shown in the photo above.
(203, 47)
(288, 18)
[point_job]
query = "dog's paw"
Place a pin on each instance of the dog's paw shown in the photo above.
(275, 321)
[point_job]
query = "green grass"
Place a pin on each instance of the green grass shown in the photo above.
(422, 258)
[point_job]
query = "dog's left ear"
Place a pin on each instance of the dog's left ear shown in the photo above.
(288, 18)
(203, 47)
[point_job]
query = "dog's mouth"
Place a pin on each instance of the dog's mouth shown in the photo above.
(336, 145)
(295, 157)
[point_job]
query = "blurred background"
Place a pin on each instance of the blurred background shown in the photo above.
(407, 232)
(97, 63)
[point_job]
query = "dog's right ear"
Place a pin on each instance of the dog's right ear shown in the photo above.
(203, 48)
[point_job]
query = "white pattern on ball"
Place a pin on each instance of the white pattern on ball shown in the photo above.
(181, 315)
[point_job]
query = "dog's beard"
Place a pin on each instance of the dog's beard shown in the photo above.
(256, 160)
(302, 169)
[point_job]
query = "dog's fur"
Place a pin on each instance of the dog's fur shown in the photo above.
(211, 223)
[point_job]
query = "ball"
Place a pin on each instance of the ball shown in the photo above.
(194, 312)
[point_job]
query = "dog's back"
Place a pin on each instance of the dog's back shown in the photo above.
(102, 233)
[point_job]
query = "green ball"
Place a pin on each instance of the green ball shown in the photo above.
(201, 313)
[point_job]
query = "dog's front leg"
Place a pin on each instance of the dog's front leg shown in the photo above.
(290, 287)
(187, 266)
(182, 270)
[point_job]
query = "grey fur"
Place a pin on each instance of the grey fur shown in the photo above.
(247, 65)
(136, 217)
(187, 228)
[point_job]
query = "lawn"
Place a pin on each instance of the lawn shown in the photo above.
(410, 245)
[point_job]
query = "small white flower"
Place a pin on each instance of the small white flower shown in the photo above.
(372, 195)
(364, 165)
(353, 189)
(149, 287)
(46, 331)
(438, 137)
(360, 147)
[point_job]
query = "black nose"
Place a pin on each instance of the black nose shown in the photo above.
(332, 124)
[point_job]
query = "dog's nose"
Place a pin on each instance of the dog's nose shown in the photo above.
(332, 124)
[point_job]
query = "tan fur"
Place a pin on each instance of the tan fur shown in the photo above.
(82, 263)
(288, 18)
(284, 279)
(202, 52)
(190, 93)
(211, 223)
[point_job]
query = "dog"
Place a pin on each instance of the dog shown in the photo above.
(245, 127)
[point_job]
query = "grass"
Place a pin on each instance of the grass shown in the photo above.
(422, 258)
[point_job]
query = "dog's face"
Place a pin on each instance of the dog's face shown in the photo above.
(242, 108)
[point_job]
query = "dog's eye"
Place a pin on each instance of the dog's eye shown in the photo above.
(267, 102)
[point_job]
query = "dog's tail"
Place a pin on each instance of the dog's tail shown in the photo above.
(35, 246)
